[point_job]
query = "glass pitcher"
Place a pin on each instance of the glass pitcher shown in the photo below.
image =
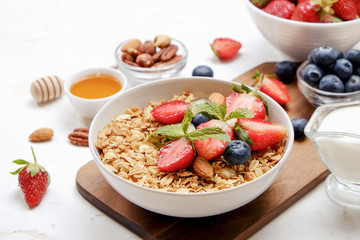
(335, 131)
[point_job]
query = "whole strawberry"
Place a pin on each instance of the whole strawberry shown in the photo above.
(345, 9)
(283, 8)
(33, 180)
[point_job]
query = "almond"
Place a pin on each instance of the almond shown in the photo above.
(202, 167)
(133, 43)
(41, 134)
(216, 97)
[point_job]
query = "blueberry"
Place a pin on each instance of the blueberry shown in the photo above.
(357, 71)
(299, 125)
(310, 56)
(200, 118)
(237, 152)
(339, 53)
(285, 70)
(325, 56)
(343, 69)
(331, 83)
(353, 55)
(203, 71)
(353, 84)
(312, 74)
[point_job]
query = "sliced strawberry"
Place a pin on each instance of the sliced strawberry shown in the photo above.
(225, 48)
(275, 89)
(211, 148)
(170, 112)
(264, 134)
(345, 9)
(237, 100)
(283, 8)
(176, 155)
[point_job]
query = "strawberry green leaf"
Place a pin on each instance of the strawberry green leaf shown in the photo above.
(17, 171)
(210, 132)
(171, 131)
(20, 162)
(240, 113)
(242, 135)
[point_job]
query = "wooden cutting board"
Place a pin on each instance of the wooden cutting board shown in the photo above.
(301, 173)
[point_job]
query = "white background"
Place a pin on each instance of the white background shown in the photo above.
(43, 37)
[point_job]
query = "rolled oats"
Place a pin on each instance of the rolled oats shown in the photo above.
(126, 149)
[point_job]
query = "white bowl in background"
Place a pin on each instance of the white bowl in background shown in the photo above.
(89, 107)
(296, 39)
(184, 204)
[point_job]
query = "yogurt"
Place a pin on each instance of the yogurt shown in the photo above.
(340, 151)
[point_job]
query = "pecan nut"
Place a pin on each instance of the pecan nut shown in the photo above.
(80, 137)
(169, 52)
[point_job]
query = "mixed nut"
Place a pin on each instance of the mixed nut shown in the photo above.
(157, 53)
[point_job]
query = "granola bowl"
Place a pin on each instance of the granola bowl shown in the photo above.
(161, 199)
(138, 75)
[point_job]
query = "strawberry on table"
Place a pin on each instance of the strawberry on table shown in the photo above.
(170, 112)
(345, 9)
(33, 180)
(280, 8)
(176, 155)
(275, 89)
(225, 48)
(211, 148)
(262, 133)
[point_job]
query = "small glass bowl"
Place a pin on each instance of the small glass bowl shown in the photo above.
(319, 97)
(139, 75)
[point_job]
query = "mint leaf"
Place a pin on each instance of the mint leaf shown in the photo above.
(171, 131)
(186, 121)
(210, 132)
(242, 135)
(211, 109)
(240, 113)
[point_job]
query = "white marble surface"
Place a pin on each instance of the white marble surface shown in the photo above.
(44, 37)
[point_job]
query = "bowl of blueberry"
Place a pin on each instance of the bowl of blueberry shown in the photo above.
(330, 76)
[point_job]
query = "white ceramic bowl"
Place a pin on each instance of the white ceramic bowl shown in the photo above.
(184, 204)
(296, 39)
(139, 75)
(89, 107)
(319, 97)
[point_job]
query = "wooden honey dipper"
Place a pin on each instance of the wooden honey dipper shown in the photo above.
(46, 89)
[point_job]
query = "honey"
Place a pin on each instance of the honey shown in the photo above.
(95, 86)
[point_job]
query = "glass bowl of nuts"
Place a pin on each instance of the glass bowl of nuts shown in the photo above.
(144, 61)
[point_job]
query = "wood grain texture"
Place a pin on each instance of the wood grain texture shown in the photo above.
(301, 173)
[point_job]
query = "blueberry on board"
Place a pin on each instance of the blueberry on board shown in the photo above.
(200, 118)
(353, 84)
(312, 74)
(285, 70)
(343, 69)
(331, 83)
(325, 56)
(353, 55)
(237, 152)
(202, 70)
(299, 126)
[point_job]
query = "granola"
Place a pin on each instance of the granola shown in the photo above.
(126, 150)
